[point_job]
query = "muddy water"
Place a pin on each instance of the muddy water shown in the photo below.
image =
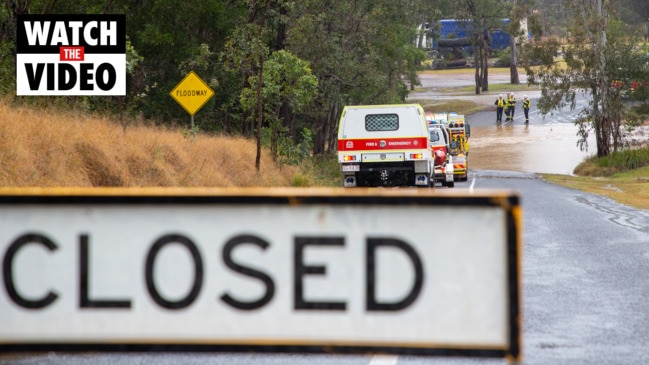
(544, 148)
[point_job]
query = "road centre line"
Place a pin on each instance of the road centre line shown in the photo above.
(384, 360)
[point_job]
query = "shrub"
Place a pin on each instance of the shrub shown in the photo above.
(504, 57)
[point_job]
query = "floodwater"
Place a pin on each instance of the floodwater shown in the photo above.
(546, 148)
(547, 145)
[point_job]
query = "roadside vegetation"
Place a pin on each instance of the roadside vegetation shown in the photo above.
(496, 88)
(622, 176)
(277, 92)
(467, 107)
(51, 147)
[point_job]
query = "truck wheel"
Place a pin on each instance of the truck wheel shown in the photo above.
(450, 184)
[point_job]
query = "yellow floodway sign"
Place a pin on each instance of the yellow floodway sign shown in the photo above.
(192, 93)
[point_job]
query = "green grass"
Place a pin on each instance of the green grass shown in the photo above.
(630, 188)
(498, 88)
(471, 71)
(503, 88)
(622, 176)
(467, 107)
(621, 162)
(321, 170)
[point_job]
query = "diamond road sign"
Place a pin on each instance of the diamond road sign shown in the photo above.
(192, 93)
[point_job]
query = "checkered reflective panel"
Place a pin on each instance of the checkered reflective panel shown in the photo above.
(381, 122)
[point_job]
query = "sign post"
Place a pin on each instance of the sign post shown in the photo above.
(192, 93)
(304, 270)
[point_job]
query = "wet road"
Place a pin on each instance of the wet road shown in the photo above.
(585, 284)
(585, 264)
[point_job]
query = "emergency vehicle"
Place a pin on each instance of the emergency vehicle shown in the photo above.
(440, 147)
(459, 132)
(381, 145)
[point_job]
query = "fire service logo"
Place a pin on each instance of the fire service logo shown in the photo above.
(71, 55)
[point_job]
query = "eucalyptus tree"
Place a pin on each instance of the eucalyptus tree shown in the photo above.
(359, 50)
(276, 83)
(247, 49)
(522, 19)
(484, 16)
(287, 80)
(599, 53)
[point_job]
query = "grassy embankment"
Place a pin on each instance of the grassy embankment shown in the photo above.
(626, 185)
(55, 148)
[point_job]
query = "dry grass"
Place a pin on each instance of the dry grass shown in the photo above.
(48, 148)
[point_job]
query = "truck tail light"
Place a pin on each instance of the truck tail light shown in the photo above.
(416, 156)
(349, 158)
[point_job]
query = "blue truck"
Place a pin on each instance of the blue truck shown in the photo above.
(443, 34)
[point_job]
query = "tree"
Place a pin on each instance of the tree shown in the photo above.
(287, 80)
(632, 12)
(514, 33)
(247, 51)
(483, 16)
(599, 53)
(360, 52)
(520, 13)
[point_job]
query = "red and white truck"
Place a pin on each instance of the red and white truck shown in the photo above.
(384, 145)
(440, 140)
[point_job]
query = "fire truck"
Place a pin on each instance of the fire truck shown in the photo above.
(384, 145)
(459, 133)
(458, 146)
(440, 144)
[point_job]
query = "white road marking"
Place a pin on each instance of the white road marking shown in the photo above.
(472, 184)
(384, 360)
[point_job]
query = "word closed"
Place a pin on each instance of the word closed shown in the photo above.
(412, 271)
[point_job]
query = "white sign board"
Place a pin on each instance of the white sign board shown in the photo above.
(358, 271)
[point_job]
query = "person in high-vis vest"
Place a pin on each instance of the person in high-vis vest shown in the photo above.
(511, 103)
(500, 106)
(526, 108)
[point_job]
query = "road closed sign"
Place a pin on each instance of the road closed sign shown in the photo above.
(399, 271)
